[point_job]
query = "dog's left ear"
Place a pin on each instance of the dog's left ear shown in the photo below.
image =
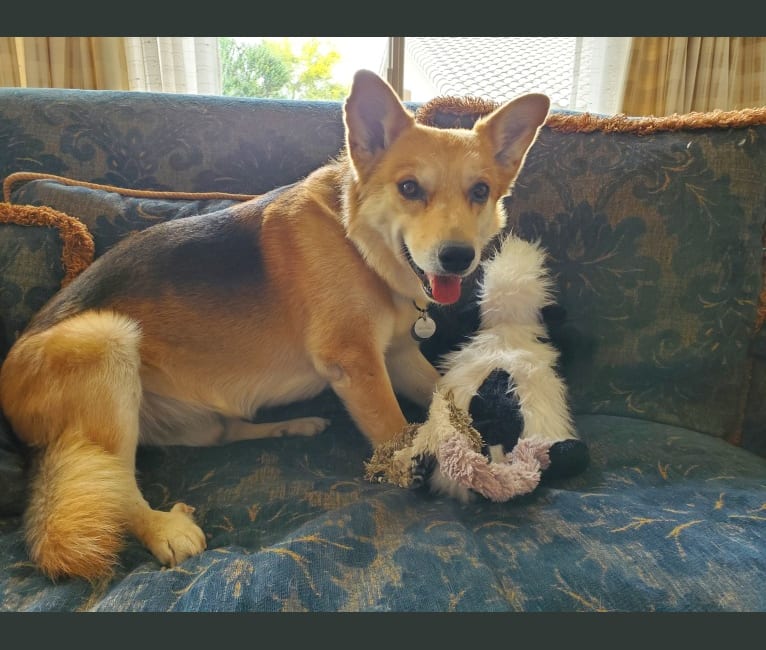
(374, 118)
(513, 127)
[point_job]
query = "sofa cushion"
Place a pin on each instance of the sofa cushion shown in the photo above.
(664, 519)
(110, 212)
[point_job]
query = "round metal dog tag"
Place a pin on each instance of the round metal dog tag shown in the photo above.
(423, 328)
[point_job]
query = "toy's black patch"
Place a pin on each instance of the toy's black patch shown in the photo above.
(568, 458)
(455, 325)
(497, 416)
(496, 412)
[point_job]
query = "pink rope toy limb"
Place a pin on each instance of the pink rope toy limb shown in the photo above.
(518, 474)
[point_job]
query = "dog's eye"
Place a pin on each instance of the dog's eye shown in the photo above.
(410, 189)
(479, 193)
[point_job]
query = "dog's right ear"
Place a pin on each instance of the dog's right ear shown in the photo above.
(374, 118)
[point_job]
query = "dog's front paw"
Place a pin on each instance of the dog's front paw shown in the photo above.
(173, 536)
(422, 467)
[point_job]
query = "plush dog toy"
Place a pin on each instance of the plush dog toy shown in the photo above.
(499, 421)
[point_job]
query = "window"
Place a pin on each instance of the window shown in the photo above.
(633, 75)
(578, 73)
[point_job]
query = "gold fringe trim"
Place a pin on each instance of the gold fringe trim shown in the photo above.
(587, 122)
(77, 243)
(473, 107)
(17, 178)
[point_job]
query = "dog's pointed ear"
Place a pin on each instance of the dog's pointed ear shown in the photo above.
(374, 118)
(513, 127)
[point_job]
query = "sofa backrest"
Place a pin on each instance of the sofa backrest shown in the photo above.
(160, 141)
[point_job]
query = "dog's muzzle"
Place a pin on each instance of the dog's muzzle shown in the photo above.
(455, 257)
(455, 260)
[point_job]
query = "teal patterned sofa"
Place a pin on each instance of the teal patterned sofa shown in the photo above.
(654, 231)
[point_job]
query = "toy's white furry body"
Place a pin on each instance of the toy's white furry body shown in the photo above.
(512, 337)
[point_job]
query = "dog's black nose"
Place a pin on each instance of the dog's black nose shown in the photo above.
(455, 257)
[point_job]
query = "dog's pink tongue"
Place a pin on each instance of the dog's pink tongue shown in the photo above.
(445, 288)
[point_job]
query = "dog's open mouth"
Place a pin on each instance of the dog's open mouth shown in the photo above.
(444, 289)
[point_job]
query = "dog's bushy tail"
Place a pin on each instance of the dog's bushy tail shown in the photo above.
(77, 512)
(72, 393)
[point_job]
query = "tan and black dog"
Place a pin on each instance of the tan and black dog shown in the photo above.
(181, 332)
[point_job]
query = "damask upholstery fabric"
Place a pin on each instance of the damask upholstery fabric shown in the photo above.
(754, 423)
(663, 520)
(654, 241)
(31, 274)
(154, 141)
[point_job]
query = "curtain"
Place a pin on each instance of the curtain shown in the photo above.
(176, 65)
(598, 75)
(9, 63)
(63, 62)
(667, 75)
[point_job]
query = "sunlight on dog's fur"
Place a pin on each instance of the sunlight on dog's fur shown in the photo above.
(182, 332)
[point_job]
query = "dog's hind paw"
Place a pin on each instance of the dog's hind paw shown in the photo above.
(243, 430)
(304, 426)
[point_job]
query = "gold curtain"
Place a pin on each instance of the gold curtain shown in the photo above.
(668, 75)
(92, 63)
(9, 63)
(162, 64)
